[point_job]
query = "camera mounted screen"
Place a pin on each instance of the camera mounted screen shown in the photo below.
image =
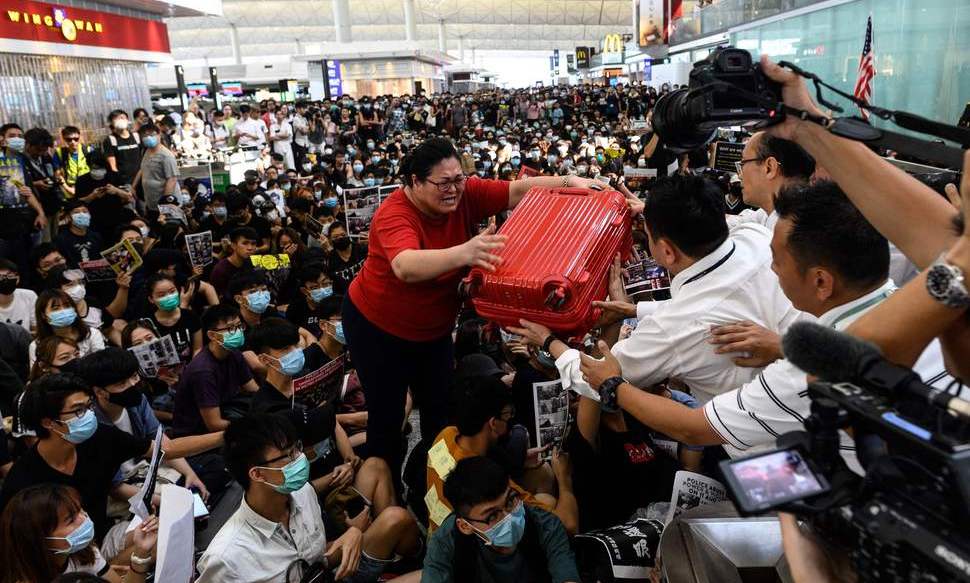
(763, 482)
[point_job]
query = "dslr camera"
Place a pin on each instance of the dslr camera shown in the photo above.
(725, 89)
(908, 518)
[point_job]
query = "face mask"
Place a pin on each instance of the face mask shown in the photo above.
(581, 170)
(130, 397)
(551, 160)
(508, 532)
(184, 199)
(516, 162)
(98, 174)
(358, 168)
(78, 540)
(330, 202)
(272, 216)
(341, 243)
(258, 301)
(120, 124)
(76, 292)
(62, 318)
(16, 144)
(375, 160)
(292, 362)
(321, 293)
(307, 167)
(8, 286)
(233, 340)
(487, 164)
(144, 231)
(295, 475)
(338, 333)
(351, 151)
(600, 158)
(318, 194)
(81, 220)
(220, 212)
(80, 429)
(370, 145)
(150, 141)
(368, 182)
(168, 303)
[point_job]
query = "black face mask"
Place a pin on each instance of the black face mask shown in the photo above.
(341, 243)
(7, 286)
(130, 397)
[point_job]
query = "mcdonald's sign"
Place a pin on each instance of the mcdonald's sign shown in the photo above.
(582, 57)
(613, 43)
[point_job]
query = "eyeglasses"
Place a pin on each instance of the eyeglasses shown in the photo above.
(512, 502)
(79, 411)
(445, 187)
(72, 139)
(237, 327)
(740, 163)
(295, 452)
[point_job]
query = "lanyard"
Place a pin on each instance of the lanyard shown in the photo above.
(863, 306)
(719, 263)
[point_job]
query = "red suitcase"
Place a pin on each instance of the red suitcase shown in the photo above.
(561, 243)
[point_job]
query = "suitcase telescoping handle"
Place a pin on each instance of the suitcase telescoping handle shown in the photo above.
(572, 191)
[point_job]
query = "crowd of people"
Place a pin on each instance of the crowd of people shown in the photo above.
(287, 397)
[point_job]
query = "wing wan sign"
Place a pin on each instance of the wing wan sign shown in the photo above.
(48, 23)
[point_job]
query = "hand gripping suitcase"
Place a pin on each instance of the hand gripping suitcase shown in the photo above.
(561, 243)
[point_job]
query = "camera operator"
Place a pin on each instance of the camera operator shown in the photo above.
(831, 263)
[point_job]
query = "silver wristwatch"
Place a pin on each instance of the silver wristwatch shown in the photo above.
(947, 284)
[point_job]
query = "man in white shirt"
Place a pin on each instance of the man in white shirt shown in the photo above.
(16, 304)
(767, 165)
(279, 520)
(281, 136)
(717, 278)
(218, 132)
(301, 133)
(250, 129)
(831, 263)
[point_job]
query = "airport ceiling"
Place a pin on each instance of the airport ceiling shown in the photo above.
(287, 27)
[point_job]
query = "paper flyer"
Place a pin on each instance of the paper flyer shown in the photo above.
(156, 354)
(200, 248)
(175, 554)
(141, 503)
(123, 258)
(692, 490)
(322, 385)
(551, 404)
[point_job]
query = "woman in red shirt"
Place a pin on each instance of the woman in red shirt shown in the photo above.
(401, 308)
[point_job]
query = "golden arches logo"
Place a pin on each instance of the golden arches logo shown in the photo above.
(613, 43)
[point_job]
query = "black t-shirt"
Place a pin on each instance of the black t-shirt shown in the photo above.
(218, 231)
(260, 224)
(627, 473)
(737, 207)
(78, 248)
(98, 459)
(301, 315)
(108, 211)
(127, 153)
(181, 332)
(343, 272)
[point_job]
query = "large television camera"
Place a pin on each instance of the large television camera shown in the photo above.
(908, 517)
(728, 88)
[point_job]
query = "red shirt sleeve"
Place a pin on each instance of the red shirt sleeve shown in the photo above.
(397, 232)
(486, 198)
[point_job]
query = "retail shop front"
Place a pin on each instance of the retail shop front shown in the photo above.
(65, 65)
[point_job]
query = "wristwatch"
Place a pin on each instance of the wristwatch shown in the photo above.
(947, 284)
(608, 394)
(143, 562)
(548, 343)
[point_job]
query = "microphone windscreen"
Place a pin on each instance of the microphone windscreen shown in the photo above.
(821, 351)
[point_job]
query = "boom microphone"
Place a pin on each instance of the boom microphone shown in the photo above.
(836, 357)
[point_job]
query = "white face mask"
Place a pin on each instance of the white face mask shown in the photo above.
(76, 292)
(120, 124)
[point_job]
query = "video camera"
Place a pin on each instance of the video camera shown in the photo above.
(729, 89)
(908, 518)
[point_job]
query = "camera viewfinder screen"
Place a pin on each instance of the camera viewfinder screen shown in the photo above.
(776, 477)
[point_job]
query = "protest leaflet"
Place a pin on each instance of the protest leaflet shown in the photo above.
(156, 354)
(637, 172)
(123, 258)
(322, 385)
(629, 549)
(692, 490)
(551, 404)
(200, 248)
(725, 155)
(141, 503)
(97, 270)
(172, 212)
(275, 267)
(360, 204)
(645, 275)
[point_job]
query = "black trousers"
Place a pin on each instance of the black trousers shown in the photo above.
(387, 367)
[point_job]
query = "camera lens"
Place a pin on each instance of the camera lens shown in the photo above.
(676, 125)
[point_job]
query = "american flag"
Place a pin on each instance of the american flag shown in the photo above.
(867, 70)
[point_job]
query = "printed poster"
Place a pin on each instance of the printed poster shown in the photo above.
(200, 248)
(692, 490)
(98, 270)
(322, 385)
(123, 258)
(156, 354)
(551, 404)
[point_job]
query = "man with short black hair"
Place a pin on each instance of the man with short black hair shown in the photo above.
(250, 129)
(242, 244)
(42, 171)
(767, 165)
(78, 242)
(72, 158)
(493, 537)
(122, 148)
(241, 214)
(158, 174)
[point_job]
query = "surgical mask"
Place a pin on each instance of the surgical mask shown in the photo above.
(318, 194)
(295, 475)
(551, 159)
(358, 168)
(62, 318)
(76, 292)
(370, 145)
(370, 182)
(130, 397)
(168, 303)
(292, 362)
(17, 144)
(184, 199)
(516, 162)
(98, 174)
(233, 340)
(351, 150)
(81, 220)
(581, 170)
(307, 167)
(150, 141)
(321, 293)
(144, 231)
(80, 429)
(120, 124)
(487, 164)
(338, 332)
(375, 159)
(258, 301)
(600, 158)
(508, 532)
(78, 539)
(220, 212)
(330, 202)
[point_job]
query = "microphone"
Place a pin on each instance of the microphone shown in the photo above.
(836, 357)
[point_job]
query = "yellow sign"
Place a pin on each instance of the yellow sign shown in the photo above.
(613, 43)
(69, 27)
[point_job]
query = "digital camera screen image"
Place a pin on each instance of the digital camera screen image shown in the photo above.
(779, 476)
